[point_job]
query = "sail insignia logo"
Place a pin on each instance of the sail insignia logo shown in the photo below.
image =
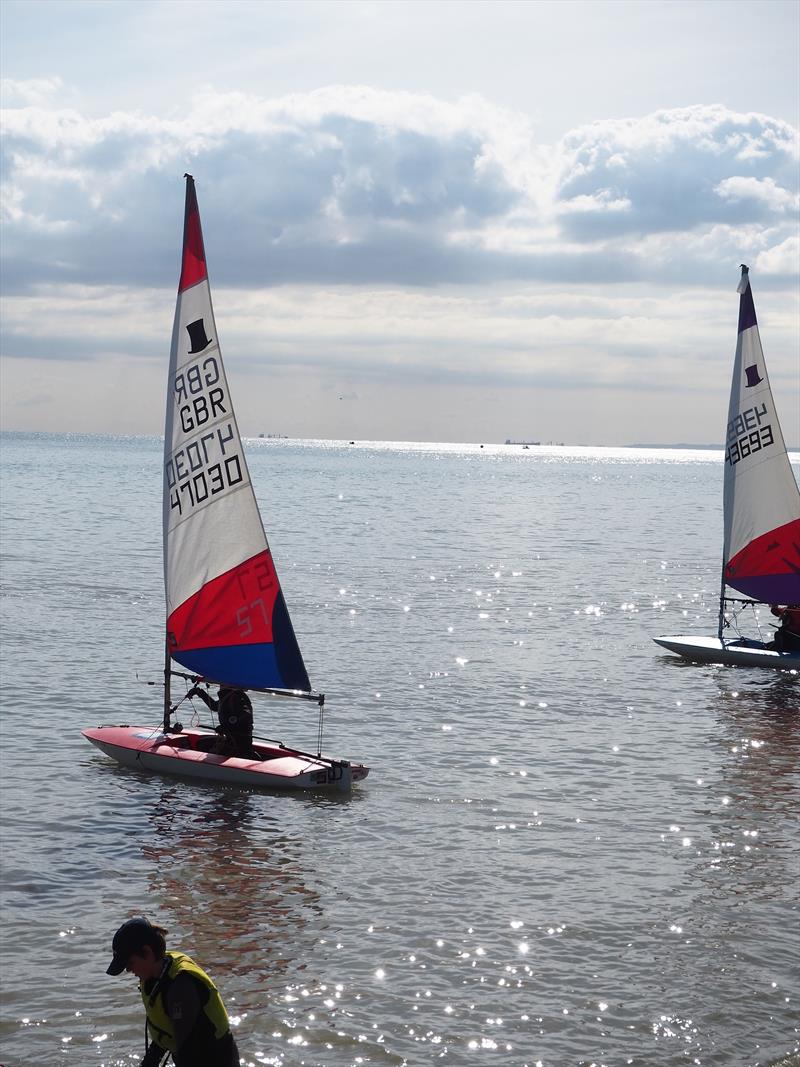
(197, 335)
(752, 375)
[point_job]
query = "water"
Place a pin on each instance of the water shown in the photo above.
(573, 848)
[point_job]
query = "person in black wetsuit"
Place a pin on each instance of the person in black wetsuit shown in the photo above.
(787, 636)
(185, 1013)
(235, 719)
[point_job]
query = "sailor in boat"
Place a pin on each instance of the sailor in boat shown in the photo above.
(235, 719)
(787, 636)
(185, 1013)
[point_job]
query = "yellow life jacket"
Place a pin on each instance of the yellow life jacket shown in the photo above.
(159, 1023)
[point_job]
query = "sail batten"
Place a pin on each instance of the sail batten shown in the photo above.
(761, 551)
(226, 615)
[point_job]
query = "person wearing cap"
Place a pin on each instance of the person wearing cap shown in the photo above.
(185, 1013)
(235, 719)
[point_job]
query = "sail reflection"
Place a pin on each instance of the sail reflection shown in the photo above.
(232, 882)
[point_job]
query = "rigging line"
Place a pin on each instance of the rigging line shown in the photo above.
(157, 729)
(195, 714)
(147, 740)
(736, 612)
(319, 730)
(300, 694)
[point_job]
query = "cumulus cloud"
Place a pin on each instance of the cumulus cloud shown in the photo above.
(354, 185)
(675, 171)
(298, 184)
(759, 191)
(31, 92)
(783, 258)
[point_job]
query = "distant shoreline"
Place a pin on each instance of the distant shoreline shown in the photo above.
(710, 448)
(681, 446)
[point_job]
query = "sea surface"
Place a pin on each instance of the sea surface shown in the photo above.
(573, 848)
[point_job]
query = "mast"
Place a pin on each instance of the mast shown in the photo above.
(721, 619)
(727, 506)
(167, 690)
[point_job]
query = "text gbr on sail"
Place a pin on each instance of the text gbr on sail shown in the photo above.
(208, 460)
(191, 386)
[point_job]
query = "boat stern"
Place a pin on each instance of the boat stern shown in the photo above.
(338, 775)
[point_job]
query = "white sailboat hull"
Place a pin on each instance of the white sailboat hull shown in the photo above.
(739, 653)
(182, 754)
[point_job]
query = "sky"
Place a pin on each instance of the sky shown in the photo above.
(440, 221)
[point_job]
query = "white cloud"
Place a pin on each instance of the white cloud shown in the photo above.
(31, 92)
(759, 190)
(357, 185)
(677, 170)
(783, 258)
(374, 241)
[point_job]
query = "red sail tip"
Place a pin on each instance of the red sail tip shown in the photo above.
(193, 267)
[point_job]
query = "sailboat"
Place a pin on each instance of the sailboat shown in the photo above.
(226, 618)
(761, 504)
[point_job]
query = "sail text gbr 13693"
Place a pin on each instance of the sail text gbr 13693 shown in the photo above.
(761, 505)
(761, 549)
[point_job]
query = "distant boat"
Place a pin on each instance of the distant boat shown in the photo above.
(226, 619)
(761, 546)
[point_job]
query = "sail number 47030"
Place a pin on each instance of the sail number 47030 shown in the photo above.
(192, 476)
(207, 483)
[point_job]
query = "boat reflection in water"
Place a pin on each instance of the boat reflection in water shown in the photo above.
(745, 812)
(761, 729)
(230, 885)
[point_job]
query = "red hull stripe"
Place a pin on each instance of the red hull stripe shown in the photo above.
(234, 609)
(193, 267)
(771, 561)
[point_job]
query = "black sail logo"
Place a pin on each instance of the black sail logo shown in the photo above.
(197, 335)
(751, 373)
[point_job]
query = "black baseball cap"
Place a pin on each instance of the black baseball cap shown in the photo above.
(131, 935)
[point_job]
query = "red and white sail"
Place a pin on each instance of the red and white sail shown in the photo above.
(226, 616)
(761, 499)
